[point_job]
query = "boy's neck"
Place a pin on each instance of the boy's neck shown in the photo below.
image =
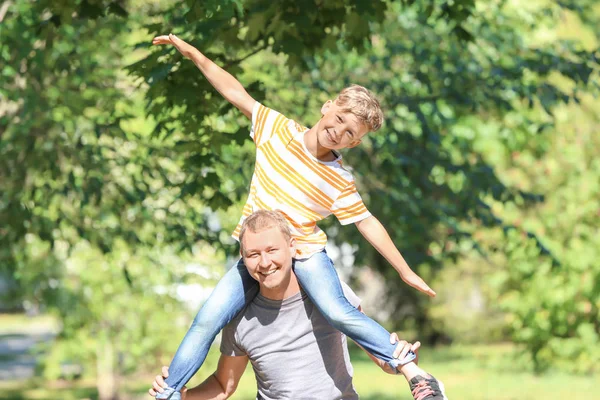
(314, 147)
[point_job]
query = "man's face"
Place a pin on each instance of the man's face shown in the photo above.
(339, 129)
(268, 257)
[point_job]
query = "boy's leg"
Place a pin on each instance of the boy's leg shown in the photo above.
(320, 281)
(236, 289)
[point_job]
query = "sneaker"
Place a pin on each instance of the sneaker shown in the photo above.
(427, 388)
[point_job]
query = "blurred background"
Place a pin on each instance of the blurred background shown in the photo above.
(123, 173)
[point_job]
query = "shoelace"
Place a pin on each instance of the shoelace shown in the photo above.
(422, 390)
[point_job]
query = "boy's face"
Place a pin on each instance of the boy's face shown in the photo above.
(338, 129)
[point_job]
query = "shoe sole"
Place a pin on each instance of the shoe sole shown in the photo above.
(443, 389)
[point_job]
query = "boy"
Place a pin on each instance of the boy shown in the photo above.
(298, 172)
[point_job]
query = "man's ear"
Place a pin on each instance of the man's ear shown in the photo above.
(326, 107)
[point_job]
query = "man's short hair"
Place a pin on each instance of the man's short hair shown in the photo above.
(263, 219)
(359, 101)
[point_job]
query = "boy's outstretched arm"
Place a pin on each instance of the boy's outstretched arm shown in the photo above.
(376, 234)
(223, 81)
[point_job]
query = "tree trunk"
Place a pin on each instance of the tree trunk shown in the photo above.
(107, 380)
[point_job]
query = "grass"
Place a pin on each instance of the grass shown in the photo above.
(469, 373)
(481, 372)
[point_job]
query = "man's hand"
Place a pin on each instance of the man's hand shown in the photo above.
(401, 351)
(183, 47)
(414, 280)
(404, 347)
(159, 384)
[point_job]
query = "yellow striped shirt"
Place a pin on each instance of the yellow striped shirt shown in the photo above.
(289, 179)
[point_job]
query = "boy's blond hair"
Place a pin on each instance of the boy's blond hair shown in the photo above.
(357, 100)
(264, 219)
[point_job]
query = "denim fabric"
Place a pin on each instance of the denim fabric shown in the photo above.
(237, 288)
(233, 292)
(320, 281)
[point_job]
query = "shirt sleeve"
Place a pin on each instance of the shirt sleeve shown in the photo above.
(349, 207)
(265, 122)
(350, 295)
(229, 343)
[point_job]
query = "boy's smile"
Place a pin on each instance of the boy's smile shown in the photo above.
(336, 130)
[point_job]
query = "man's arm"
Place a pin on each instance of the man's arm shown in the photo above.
(376, 234)
(229, 87)
(219, 386)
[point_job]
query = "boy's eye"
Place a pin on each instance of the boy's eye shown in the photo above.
(339, 118)
(349, 133)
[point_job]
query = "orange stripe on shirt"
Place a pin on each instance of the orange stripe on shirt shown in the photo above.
(285, 135)
(352, 211)
(296, 179)
(279, 122)
(334, 180)
(263, 112)
(350, 190)
(274, 191)
(305, 230)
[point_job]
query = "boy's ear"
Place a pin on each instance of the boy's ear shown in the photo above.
(293, 245)
(326, 107)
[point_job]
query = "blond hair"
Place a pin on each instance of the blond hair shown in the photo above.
(263, 219)
(357, 100)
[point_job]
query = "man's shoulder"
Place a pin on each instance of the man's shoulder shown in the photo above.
(240, 321)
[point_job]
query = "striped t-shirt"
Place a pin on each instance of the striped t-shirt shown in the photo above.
(289, 179)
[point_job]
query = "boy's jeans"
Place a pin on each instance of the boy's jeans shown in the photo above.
(320, 281)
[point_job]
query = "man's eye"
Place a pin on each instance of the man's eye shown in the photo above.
(349, 133)
(339, 118)
(272, 250)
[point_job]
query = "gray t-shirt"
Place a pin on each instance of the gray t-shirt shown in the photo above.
(295, 353)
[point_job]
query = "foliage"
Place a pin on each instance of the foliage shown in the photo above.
(92, 177)
(555, 306)
(86, 225)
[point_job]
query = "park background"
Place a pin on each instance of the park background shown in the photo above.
(122, 174)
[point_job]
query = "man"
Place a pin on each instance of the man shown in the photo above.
(294, 352)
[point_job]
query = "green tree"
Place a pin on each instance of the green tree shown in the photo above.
(440, 70)
(87, 225)
(87, 177)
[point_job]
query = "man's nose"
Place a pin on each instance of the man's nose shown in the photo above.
(265, 260)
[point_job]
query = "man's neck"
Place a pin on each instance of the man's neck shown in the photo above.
(284, 291)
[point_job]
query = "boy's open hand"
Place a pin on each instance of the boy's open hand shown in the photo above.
(415, 281)
(183, 47)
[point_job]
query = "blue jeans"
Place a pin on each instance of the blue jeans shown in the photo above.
(237, 288)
